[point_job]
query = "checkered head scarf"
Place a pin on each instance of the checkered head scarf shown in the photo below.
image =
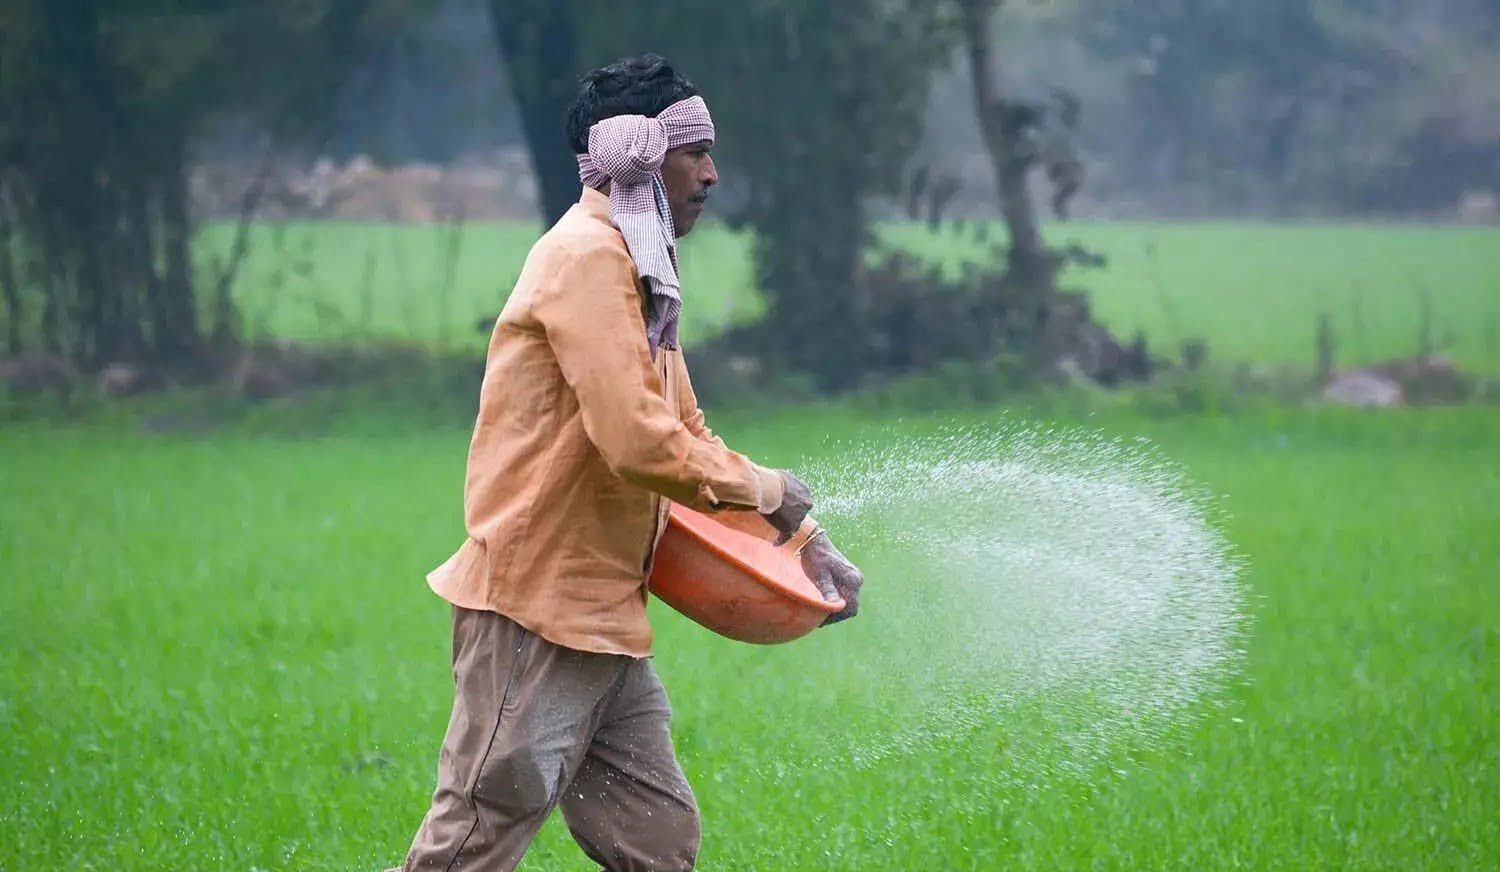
(626, 152)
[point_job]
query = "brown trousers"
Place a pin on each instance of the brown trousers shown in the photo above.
(536, 725)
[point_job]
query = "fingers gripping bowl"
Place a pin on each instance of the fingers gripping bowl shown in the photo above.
(735, 584)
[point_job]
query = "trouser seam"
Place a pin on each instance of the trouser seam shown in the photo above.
(510, 683)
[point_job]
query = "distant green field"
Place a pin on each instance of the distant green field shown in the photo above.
(219, 654)
(350, 280)
(1253, 291)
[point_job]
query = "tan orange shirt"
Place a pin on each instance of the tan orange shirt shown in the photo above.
(579, 436)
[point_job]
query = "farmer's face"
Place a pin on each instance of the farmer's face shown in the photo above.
(688, 173)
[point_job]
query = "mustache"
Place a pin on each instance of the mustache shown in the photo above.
(700, 197)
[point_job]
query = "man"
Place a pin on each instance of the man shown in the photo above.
(587, 429)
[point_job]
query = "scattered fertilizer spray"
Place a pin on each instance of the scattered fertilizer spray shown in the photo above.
(1058, 592)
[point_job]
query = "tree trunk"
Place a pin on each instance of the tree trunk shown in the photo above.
(10, 288)
(538, 41)
(177, 334)
(104, 208)
(74, 184)
(1027, 322)
(1003, 140)
(132, 254)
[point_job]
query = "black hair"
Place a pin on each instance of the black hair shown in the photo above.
(642, 85)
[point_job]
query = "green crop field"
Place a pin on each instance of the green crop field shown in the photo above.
(220, 654)
(1254, 292)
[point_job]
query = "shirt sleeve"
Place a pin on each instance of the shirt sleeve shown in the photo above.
(591, 312)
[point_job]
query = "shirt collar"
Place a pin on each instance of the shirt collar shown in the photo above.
(595, 204)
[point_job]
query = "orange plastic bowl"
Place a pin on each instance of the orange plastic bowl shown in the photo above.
(735, 584)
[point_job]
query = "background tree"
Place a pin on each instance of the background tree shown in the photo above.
(1038, 324)
(1297, 105)
(821, 111)
(101, 102)
(1202, 107)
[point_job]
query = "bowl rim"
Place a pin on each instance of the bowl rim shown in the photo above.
(674, 518)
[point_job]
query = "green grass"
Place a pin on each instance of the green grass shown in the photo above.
(219, 654)
(1252, 291)
(352, 280)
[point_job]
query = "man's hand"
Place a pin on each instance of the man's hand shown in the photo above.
(835, 577)
(795, 505)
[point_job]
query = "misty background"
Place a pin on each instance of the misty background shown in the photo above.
(156, 158)
(1207, 109)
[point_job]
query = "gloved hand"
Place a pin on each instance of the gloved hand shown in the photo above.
(834, 575)
(795, 505)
